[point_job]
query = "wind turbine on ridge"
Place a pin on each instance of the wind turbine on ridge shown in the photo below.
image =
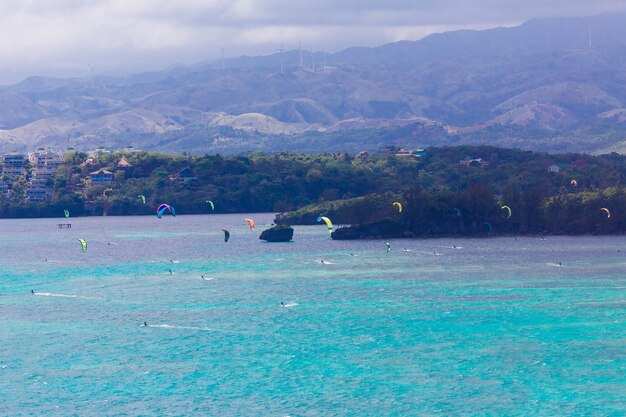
(93, 77)
(280, 51)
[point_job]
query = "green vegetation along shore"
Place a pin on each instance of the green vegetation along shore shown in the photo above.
(444, 191)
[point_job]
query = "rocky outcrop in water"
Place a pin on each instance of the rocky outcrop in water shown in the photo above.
(278, 233)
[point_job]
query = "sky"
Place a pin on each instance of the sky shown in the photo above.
(77, 38)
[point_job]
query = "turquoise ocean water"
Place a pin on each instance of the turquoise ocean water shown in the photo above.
(489, 327)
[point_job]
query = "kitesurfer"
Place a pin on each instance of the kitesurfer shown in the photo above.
(171, 273)
(326, 220)
(282, 304)
(145, 324)
(32, 291)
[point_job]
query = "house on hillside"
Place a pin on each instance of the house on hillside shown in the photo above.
(45, 165)
(42, 158)
(406, 153)
(474, 162)
(14, 160)
(13, 167)
(100, 150)
(39, 189)
(557, 167)
(89, 162)
(185, 177)
(101, 176)
(123, 164)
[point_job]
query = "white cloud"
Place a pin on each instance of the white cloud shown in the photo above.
(63, 37)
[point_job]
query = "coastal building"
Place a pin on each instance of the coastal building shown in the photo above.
(185, 177)
(43, 174)
(100, 150)
(13, 167)
(39, 189)
(474, 162)
(406, 153)
(124, 165)
(10, 175)
(101, 176)
(45, 165)
(41, 159)
(89, 162)
(557, 167)
(41, 184)
(14, 160)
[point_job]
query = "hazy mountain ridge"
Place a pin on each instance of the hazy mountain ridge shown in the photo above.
(539, 80)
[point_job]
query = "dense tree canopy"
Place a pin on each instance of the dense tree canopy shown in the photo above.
(355, 189)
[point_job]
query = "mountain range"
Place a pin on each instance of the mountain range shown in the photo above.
(556, 85)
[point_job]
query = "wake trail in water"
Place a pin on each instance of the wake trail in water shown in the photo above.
(197, 328)
(51, 294)
(60, 261)
(429, 253)
(287, 305)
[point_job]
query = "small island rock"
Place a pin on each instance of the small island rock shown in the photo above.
(279, 233)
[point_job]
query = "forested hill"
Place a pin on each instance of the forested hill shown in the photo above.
(288, 181)
(545, 85)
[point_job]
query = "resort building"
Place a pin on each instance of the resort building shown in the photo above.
(39, 190)
(88, 162)
(474, 162)
(101, 177)
(41, 159)
(13, 167)
(557, 167)
(185, 177)
(406, 153)
(123, 164)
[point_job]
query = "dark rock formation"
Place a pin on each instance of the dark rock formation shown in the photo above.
(278, 233)
(382, 229)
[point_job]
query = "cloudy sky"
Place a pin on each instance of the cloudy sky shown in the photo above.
(67, 37)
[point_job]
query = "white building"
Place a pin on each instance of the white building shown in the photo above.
(48, 159)
(13, 167)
